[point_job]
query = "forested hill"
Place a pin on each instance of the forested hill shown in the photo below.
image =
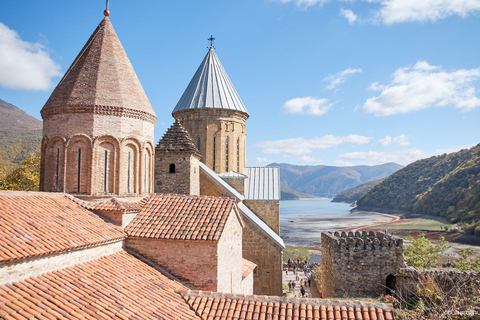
(447, 185)
(20, 134)
(327, 181)
(355, 193)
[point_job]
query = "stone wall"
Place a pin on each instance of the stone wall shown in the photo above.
(209, 187)
(230, 257)
(207, 125)
(192, 261)
(247, 284)
(236, 183)
(16, 271)
(267, 255)
(358, 264)
(268, 211)
(185, 179)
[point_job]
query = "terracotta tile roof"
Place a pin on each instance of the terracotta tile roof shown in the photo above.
(101, 76)
(181, 217)
(116, 286)
(114, 204)
(38, 223)
(215, 305)
(177, 139)
(247, 267)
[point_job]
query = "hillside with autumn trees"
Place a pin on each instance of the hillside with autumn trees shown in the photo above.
(446, 186)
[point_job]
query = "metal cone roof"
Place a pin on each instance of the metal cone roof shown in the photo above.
(101, 75)
(210, 87)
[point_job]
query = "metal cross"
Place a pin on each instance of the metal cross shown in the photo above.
(211, 39)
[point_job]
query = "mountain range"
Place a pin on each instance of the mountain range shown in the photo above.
(446, 185)
(20, 135)
(327, 181)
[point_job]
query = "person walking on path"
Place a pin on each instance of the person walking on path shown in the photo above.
(289, 285)
(297, 276)
(309, 282)
(302, 291)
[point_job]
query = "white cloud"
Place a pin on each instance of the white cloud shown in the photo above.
(423, 86)
(301, 146)
(349, 15)
(308, 160)
(397, 11)
(261, 160)
(24, 65)
(308, 105)
(340, 77)
(403, 157)
(400, 11)
(401, 140)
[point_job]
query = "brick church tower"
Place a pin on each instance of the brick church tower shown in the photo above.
(212, 112)
(177, 163)
(98, 125)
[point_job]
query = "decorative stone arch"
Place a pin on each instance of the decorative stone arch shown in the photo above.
(78, 162)
(130, 166)
(53, 163)
(105, 159)
(147, 174)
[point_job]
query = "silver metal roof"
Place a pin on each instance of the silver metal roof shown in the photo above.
(263, 183)
(243, 209)
(232, 174)
(210, 87)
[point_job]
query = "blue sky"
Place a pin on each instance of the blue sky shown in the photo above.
(333, 82)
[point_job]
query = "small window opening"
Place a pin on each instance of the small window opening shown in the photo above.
(171, 168)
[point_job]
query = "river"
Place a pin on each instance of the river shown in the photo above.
(303, 221)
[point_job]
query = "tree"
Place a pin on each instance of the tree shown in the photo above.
(26, 177)
(465, 263)
(422, 253)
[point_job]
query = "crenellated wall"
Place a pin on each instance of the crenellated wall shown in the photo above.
(358, 264)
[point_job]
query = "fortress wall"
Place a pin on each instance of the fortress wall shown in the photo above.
(358, 264)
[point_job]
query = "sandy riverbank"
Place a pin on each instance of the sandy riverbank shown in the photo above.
(305, 230)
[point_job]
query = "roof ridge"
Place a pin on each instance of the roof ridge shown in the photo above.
(265, 298)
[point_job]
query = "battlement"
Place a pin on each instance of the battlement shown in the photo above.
(362, 240)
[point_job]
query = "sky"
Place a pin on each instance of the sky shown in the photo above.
(332, 82)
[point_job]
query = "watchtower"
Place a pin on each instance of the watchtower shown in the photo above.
(359, 264)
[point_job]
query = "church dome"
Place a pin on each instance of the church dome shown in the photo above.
(101, 80)
(210, 87)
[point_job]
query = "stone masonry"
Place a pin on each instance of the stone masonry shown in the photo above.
(268, 211)
(358, 264)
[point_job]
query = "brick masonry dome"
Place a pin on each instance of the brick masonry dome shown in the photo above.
(177, 139)
(102, 79)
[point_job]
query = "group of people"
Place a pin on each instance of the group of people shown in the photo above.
(304, 280)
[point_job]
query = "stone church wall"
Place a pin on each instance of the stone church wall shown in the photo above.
(194, 261)
(358, 264)
(230, 257)
(268, 211)
(185, 180)
(262, 251)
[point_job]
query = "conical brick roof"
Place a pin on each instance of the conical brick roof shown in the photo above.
(177, 139)
(210, 87)
(101, 76)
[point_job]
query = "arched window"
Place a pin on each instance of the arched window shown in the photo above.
(214, 149)
(171, 168)
(226, 155)
(238, 154)
(198, 143)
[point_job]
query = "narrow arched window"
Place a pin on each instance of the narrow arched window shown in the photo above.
(79, 166)
(198, 143)
(226, 155)
(238, 154)
(214, 149)
(171, 168)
